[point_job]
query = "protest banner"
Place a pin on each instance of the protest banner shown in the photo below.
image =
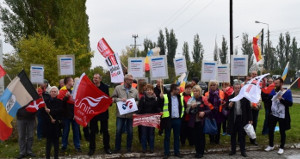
(127, 107)
(239, 65)
(104, 48)
(136, 67)
(37, 73)
(115, 68)
(208, 71)
(150, 120)
(66, 64)
(180, 66)
(158, 67)
(223, 73)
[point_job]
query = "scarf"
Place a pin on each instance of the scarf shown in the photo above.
(214, 98)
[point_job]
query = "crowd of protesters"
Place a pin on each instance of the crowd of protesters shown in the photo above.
(183, 111)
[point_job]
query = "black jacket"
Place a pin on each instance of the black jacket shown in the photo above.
(23, 114)
(246, 113)
(105, 89)
(68, 107)
(56, 109)
(157, 91)
(149, 105)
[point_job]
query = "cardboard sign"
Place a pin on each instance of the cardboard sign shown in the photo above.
(208, 71)
(158, 67)
(239, 65)
(37, 73)
(180, 66)
(66, 64)
(223, 73)
(136, 67)
(115, 68)
(127, 107)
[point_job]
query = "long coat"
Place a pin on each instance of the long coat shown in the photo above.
(246, 114)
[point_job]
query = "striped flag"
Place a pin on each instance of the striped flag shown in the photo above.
(257, 45)
(35, 105)
(19, 93)
(285, 71)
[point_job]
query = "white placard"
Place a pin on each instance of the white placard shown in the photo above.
(223, 73)
(115, 68)
(180, 66)
(239, 65)
(208, 71)
(66, 64)
(37, 73)
(127, 107)
(136, 67)
(158, 67)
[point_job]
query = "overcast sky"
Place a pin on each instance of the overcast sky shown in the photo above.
(117, 20)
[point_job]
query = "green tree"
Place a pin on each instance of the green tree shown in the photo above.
(185, 52)
(161, 43)
(224, 51)
(216, 54)
(247, 49)
(198, 50)
(172, 43)
(294, 60)
(287, 47)
(148, 45)
(280, 51)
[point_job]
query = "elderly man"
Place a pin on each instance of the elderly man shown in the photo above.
(122, 93)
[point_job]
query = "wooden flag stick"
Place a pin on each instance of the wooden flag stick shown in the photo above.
(8, 77)
(290, 85)
(161, 86)
(47, 108)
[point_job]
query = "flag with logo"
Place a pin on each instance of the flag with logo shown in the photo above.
(150, 120)
(89, 101)
(127, 107)
(19, 93)
(35, 105)
(285, 72)
(181, 81)
(257, 45)
(251, 90)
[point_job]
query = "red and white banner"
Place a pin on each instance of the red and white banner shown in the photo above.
(151, 120)
(89, 101)
(35, 105)
(104, 48)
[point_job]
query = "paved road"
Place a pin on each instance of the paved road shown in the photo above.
(296, 100)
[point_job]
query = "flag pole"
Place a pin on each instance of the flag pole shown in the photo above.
(8, 77)
(161, 89)
(47, 108)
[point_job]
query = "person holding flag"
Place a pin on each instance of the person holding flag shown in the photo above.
(52, 116)
(281, 101)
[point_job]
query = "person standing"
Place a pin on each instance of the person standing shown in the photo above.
(267, 104)
(103, 118)
(228, 90)
(157, 89)
(173, 111)
(197, 111)
(52, 115)
(25, 126)
(122, 93)
(68, 115)
(239, 116)
(149, 104)
(255, 112)
(281, 101)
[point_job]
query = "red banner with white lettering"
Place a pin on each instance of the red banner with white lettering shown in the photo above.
(89, 101)
(104, 48)
(151, 120)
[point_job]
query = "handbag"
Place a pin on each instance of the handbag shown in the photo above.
(210, 126)
(250, 131)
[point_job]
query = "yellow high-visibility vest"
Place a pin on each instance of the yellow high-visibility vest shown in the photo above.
(166, 112)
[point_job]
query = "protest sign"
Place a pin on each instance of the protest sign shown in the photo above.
(208, 71)
(115, 68)
(180, 66)
(66, 64)
(104, 48)
(136, 67)
(37, 73)
(158, 67)
(223, 73)
(150, 120)
(127, 107)
(239, 65)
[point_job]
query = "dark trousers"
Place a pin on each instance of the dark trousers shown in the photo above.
(52, 141)
(123, 123)
(216, 138)
(255, 118)
(266, 125)
(272, 123)
(147, 136)
(199, 138)
(175, 125)
(40, 123)
(238, 129)
(186, 132)
(94, 131)
(224, 125)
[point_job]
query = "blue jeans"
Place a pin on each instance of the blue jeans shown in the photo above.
(175, 125)
(265, 130)
(121, 123)
(147, 133)
(39, 128)
(66, 130)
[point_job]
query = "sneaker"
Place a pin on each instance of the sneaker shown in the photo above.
(269, 148)
(280, 151)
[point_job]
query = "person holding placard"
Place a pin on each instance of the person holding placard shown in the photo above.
(173, 111)
(160, 86)
(123, 93)
(215, 98)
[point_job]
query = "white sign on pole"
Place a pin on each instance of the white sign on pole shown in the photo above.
(208, 71)
(127, 107)
(66, 64)
(158, 67)
(115, 68)
(223, 73)
(239, 65)
(37, 73)
(180, 66)
(136, 67)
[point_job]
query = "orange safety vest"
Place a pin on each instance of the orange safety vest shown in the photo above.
(221, 95)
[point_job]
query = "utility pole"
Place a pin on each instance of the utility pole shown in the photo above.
(231, 36)
(135, 45)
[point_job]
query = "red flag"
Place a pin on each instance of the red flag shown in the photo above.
(2, 72)
(89, 101)
(35, 105)
(104, 48)
(257, 46)
(151, 120)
